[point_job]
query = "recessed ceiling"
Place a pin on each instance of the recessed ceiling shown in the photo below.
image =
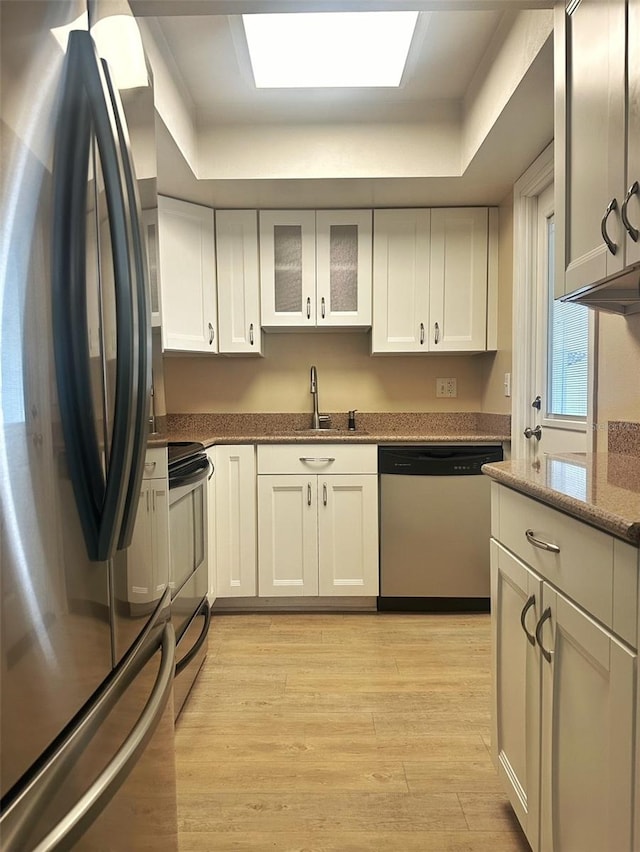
(211, 57)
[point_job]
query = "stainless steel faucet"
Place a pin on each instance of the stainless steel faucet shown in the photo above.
(315, 420)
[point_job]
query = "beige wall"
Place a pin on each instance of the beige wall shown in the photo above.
(495, 366)
(348, 377)
(618, 373)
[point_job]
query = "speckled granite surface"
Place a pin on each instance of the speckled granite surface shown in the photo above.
(371, 428)
(602, 489)
(624, 437)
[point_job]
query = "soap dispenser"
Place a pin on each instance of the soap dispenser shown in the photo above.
(352, 420)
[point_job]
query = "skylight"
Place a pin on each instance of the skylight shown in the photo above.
(329, 49)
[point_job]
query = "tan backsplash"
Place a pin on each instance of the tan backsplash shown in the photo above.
(348, 377)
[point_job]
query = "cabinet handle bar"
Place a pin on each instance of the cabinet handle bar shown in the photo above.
(613, 205)
(317, 459)
(633, 190)
(538, 542)
(546, 615)
(525, 609)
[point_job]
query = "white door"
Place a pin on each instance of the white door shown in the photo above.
(588, 681)
(348, 535)
(458, 279)
(552, 341)
(287, 535)
(400, 280)
(516, 596)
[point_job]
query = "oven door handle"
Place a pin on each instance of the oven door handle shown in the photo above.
(204, 610)
(191, 478)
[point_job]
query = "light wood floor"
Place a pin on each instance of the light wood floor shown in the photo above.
(337, 733)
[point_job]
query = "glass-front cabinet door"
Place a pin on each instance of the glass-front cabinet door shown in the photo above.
(288, 267)
(343, 266)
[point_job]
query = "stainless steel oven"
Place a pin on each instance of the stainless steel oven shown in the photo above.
(189, 474)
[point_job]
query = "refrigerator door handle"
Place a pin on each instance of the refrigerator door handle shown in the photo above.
(141, 298)
(204, 610)
(100, 499)
(17, 819)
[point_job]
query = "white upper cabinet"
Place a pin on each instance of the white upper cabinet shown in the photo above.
(238, 282)
(434, 280)
(188, 278)
(597, 151)
(458, 279)
(315, 268)
(401, 249)
(343, 267)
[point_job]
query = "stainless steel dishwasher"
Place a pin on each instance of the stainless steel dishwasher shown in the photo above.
(435, 524)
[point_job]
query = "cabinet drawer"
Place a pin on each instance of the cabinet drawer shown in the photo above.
(155, 463)
(317, 458)
(592, 567)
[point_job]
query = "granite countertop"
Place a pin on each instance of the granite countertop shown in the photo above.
(371, 428)
(602, 489)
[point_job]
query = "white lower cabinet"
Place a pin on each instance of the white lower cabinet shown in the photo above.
(317, 530)
(233, 520)
(564, 702)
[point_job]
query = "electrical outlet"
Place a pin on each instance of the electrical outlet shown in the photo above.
(446, 387)
(507, 384)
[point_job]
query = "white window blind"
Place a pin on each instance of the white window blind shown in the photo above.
(568, 350)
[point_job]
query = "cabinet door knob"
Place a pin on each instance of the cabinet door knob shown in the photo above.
(613, 205)
(633, 190)
(525, 609)
(546, 615)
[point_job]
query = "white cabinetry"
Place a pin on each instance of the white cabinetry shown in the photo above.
(315, 268)
(148, 555)
(597, 151)
(434, 280)
(564, 678)
(234, 520)
(187, 276)
(317, 520)
(238, 282)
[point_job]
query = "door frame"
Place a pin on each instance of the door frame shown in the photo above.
(527, 188)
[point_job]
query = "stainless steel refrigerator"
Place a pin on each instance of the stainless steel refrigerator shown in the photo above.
(86, 725)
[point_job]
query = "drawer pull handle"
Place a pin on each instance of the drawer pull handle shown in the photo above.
(546, 615)
(317, 459)
(538, 542)
(525, 609)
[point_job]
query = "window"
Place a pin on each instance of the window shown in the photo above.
(567, 349)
